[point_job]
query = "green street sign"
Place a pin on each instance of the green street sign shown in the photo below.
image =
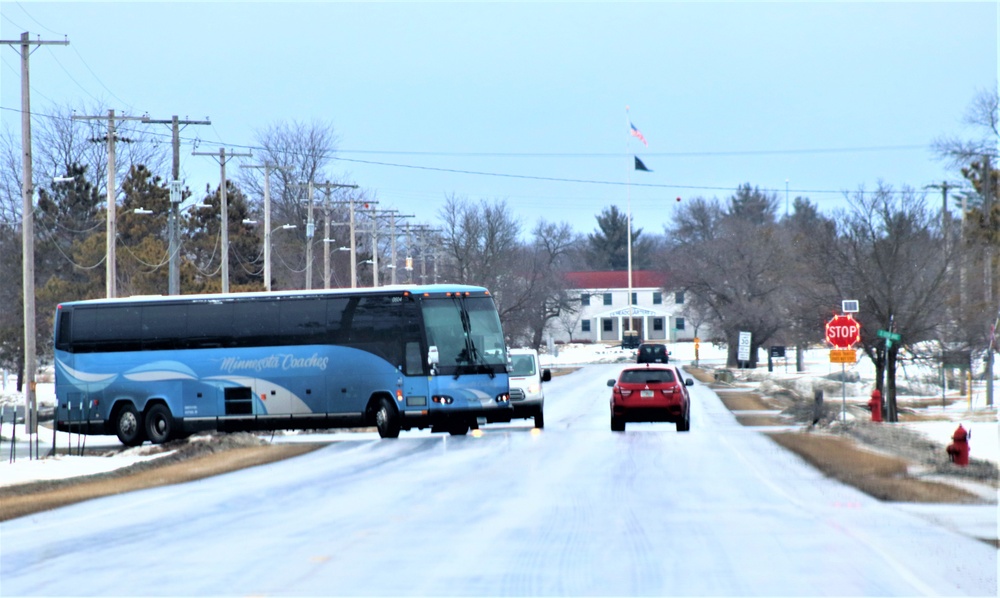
(890, 336)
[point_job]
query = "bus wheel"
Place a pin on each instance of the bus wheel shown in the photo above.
(128, 426)
(387, 420)
(459, 428)
(159, 424)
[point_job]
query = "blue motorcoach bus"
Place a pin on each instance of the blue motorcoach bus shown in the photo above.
(397, 358)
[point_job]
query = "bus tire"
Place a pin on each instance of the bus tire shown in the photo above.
(386, 419)
(159, 424)
(128, 426)
(458, 428)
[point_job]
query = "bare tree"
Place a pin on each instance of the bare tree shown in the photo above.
(808, 236)
(891, 255)
(11, 198)
(983, 116)
(974, 308)
(298, 153)
(735, 263)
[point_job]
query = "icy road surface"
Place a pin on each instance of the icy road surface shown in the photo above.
(573, 510)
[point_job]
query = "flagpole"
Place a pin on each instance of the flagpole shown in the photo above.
(628, 215)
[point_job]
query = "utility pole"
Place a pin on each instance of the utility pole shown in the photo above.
(422, 231)
(174, 217)
(409, 255)
(392, 235)
(28, 239)
(392, 241)
(988, 275)
(268, 167)
(374, 233)
(945, 214)
(111, 272)
(328, 188)
(222, 158)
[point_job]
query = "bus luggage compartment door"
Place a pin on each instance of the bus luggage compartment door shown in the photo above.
(238, 400)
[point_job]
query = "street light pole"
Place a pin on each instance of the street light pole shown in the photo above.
(267, 166)
(328, 187)
(392, 237)
(222, 159)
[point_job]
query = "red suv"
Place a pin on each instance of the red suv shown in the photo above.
(650, 393)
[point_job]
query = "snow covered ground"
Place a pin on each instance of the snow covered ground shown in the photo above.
(975, 416)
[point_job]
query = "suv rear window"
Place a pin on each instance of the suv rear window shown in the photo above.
(647, 376)
(652, 354)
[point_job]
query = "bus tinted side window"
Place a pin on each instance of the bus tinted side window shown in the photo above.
(64, 330)
(209, 324)
(115, 328)
(303, 321)
(162, 326)
(256, 323)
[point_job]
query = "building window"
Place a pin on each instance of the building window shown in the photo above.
(584, 298)
(635, 298)
(608, 324)
(679, 323)
(679, 297)
(585, 326)
(607, 298)
(657, 298)
(658, 324)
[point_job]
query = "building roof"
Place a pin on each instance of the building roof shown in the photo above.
(616, 279)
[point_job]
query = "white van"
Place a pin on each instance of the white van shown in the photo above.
(526, 377)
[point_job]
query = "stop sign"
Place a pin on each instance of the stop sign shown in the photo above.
(843, 331)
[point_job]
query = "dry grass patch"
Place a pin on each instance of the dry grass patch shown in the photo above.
(700, 375)
(743, 401)
(760, 420)
(880, 476)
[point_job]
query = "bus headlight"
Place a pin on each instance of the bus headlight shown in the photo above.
(503, 397)
(442, 399)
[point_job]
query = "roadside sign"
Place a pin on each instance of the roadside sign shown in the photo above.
(843, 356)
(890, 337)
(843, 331)
(743, 353)
(849, 306)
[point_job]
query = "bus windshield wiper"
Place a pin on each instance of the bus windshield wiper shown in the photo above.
(470, 354)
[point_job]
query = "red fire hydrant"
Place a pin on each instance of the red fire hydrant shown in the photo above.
(875, 404)
(958, 450)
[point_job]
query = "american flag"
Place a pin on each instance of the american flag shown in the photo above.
(636, 133)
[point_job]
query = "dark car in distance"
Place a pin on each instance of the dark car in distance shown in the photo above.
(652, 353)
(650, 393)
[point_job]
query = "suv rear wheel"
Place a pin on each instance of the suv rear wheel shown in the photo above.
(617, 424)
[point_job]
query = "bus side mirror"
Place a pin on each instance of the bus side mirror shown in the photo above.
(546, 375)
(432, 356)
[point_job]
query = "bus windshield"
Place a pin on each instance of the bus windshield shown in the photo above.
(467, 334)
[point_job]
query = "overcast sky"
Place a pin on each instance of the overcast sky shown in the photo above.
(526, 102)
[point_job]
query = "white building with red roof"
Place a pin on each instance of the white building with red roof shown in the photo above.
(605, 309)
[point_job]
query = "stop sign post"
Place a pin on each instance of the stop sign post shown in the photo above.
(843, 331)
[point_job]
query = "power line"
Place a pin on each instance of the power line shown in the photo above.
(579, 155)
(25, 11)
(768, 152)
